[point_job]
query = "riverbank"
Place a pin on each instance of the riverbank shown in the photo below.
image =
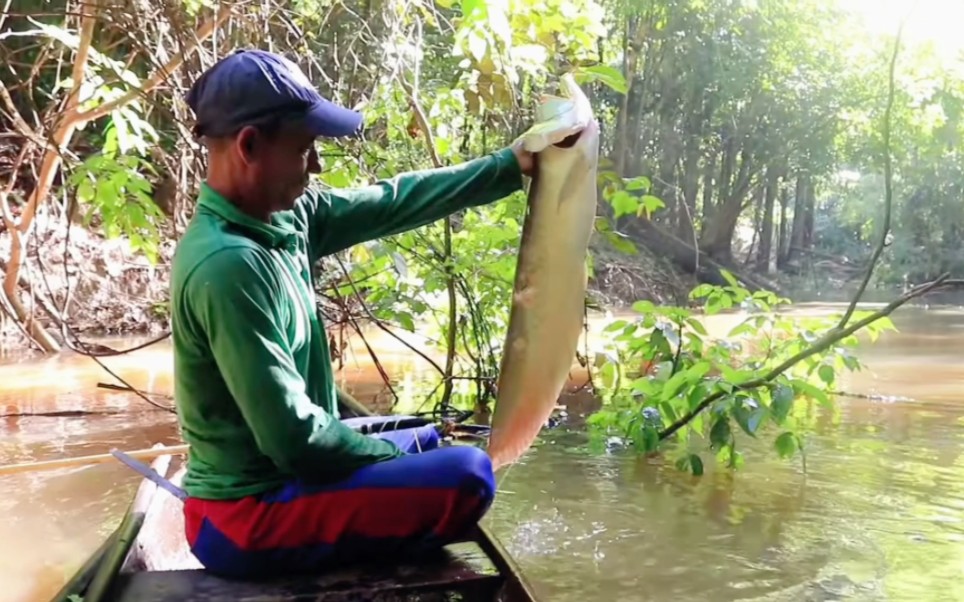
(111, 289)
(101, 286)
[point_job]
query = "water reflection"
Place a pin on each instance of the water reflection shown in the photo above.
(878, 514)
(858, 525)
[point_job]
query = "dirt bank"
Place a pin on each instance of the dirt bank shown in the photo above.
(100, 286)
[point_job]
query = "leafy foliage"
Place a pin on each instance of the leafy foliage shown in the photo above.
(659, 367)
(502, 50)
(113, 187)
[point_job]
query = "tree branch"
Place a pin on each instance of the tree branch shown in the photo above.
(834, 335)
(423, 124)
(379, 324)
(888, 181)
(203, 33)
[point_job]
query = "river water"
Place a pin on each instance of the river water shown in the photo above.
(878, 514)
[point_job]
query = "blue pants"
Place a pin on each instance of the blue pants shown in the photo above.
(421, 501)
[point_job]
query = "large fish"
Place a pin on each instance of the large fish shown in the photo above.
(550, 282)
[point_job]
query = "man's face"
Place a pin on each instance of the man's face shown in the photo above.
(279, 167)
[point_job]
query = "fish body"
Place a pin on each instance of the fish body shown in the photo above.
(549, 292)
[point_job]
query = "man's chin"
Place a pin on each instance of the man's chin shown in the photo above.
(292, 198)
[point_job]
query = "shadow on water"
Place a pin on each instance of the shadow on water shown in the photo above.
(878, 514)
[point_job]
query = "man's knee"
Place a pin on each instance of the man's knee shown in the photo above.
(473, 468)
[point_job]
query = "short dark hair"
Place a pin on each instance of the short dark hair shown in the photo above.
(270, 127)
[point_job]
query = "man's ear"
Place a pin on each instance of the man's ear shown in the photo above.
(246, 143)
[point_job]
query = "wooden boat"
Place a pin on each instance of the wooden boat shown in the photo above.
(147, 560)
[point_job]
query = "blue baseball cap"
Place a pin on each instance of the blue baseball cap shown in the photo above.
(251, 86)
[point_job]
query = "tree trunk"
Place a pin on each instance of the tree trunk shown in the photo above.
(690, 176)
(709, 185)
(783, 245)
(632, 43)
(799, 218)
(757, 203)
(766, 229)
(687, 258)
(665, 187)
(810, 200)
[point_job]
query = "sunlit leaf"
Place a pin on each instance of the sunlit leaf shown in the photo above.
(609, 76)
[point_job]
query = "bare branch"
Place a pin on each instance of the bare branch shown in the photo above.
(888, 182)
(158, 77)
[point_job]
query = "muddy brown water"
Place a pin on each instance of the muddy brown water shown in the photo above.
(877, 515)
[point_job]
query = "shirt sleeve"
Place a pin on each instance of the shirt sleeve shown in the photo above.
(340, 218)
(235, 299)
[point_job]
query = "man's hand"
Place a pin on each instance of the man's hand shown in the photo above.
(525, 158)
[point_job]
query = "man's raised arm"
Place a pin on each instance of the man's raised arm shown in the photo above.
(338, 219)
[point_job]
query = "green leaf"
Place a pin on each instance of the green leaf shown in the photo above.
(802, 387)
(734, 376)
(720, 433)
(851, 362)
(649, 204)
(697, 394)
(697, 326)
(673, 386)
(615, 325)
(608, 374)
(405, 319)
(643, 307)
(668, 412)
(623, 203)
(697, 371)
(826, 373)
(621, 243)
(782, 401)
(645, 386)
(786, 444)
(745, 327)
(702, 290)
(755, 419)
(729, 277)
(696, 465)
(646, 438)
(470, 6)
(609, 76)
(638, 183)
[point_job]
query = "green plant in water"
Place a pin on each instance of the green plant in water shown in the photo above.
(660, 368)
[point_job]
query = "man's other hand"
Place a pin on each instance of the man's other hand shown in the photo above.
(525, 158)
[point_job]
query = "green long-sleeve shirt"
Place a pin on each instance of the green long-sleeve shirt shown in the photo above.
(253, 380)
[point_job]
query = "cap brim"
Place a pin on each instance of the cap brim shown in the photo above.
(327, 119)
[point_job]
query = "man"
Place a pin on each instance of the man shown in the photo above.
(275, 481)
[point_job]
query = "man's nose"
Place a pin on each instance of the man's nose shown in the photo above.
(314, 165)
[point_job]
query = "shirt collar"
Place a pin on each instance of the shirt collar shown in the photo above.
(278, 233)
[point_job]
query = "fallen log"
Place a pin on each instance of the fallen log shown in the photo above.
(684, 256)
